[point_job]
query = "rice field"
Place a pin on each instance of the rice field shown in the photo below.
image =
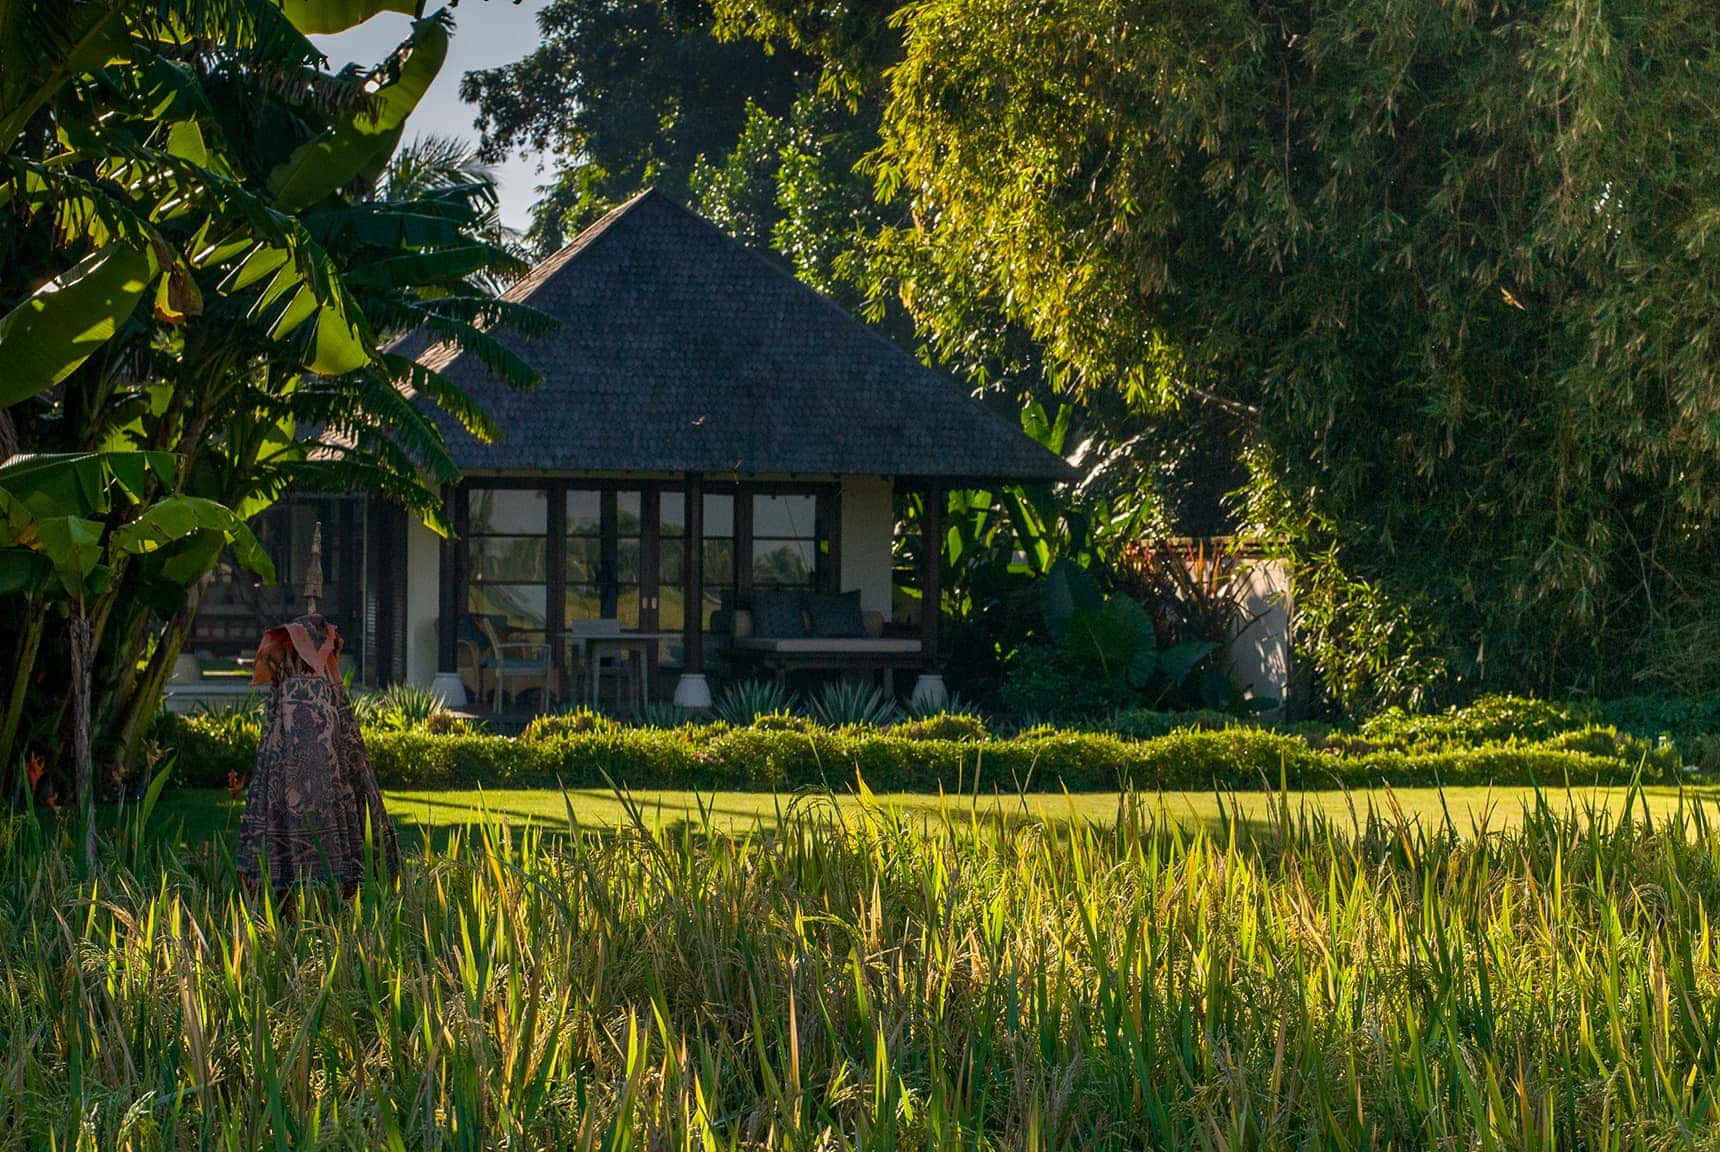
(868, 977)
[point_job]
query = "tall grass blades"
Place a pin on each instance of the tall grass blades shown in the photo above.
(882, 982)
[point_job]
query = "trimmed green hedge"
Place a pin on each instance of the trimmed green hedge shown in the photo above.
(761, 758)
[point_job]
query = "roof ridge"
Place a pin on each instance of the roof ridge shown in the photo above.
(522, 289)
(440, 354)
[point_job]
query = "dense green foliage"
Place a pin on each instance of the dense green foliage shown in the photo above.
(1501, 741)
(1442, 274)
(622, 96)
(1451, 266)
(875, 982)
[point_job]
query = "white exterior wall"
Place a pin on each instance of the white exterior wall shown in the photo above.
(868, 531)
(1260, 653)
(423, 601)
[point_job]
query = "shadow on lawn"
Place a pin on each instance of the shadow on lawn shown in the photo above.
(197, 819)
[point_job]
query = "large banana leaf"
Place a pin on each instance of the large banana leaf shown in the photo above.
(81, 483)
(46, 337)
(178, 517)
(318, 17)
(77, 39)
(73, 545)
(23, 571)
(419, 268)
(385, 225)
(360, 144)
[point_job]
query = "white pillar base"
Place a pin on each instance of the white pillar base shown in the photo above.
(929, 691)
(692, 691)
(447, 685)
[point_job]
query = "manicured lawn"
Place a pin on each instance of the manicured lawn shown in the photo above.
(204, 813)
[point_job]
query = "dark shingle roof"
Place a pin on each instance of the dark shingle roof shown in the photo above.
(681, 350)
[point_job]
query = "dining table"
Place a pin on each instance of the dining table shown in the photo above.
(588, 645)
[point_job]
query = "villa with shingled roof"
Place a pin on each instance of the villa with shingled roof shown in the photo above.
(705, 480)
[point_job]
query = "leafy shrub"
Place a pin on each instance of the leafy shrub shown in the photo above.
(1145, 724)
(1651, 717)
(742, 702)
(1042, 682)
(1491, 718)
(960, 727)
(782, 721)
(772, 758)
(445, 723)
(841, 702)
(577, 721)
(210, 745)
(779, 750)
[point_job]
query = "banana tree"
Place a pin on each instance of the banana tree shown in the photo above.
(192, 306)
(63, 69)
(56, 547)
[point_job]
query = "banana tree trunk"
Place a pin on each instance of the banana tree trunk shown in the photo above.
(117, 672)
(35, 623)
(82, 638)
(146, 692)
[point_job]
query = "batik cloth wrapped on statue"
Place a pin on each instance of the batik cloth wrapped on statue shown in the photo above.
(313, 811)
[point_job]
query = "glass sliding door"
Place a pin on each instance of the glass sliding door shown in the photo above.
(628, 565)
(606, 537)
(584, 594)
(550, 559)
(507, 571)
(719, 556)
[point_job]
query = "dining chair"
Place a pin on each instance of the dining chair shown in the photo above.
(520, 666)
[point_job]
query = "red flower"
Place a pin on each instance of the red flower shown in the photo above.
(34, 770)
(236, 785)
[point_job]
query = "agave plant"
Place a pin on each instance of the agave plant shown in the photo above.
(400, 708)
(746, 700)
(843, 702)
(662, 714)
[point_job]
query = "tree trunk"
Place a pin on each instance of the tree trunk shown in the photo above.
(35, 622)
(146, 693)
(117, 673)
(82, 638)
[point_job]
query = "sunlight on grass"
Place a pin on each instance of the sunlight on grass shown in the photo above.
(884, 976)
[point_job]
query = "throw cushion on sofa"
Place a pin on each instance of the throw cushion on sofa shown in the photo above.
(836, 616)
(778, 614)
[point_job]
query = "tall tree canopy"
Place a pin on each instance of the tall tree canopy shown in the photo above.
(1453, 263)
(621, 95)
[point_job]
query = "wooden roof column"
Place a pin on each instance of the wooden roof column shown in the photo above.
(929, 690)
(931, 570)
(693, 691)
(693, 606)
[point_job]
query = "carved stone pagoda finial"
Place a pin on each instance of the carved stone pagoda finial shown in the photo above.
(313, 588)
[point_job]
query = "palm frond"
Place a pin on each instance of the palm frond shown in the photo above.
(443, 393)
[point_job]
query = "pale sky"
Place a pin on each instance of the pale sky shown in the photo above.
(486, 33)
